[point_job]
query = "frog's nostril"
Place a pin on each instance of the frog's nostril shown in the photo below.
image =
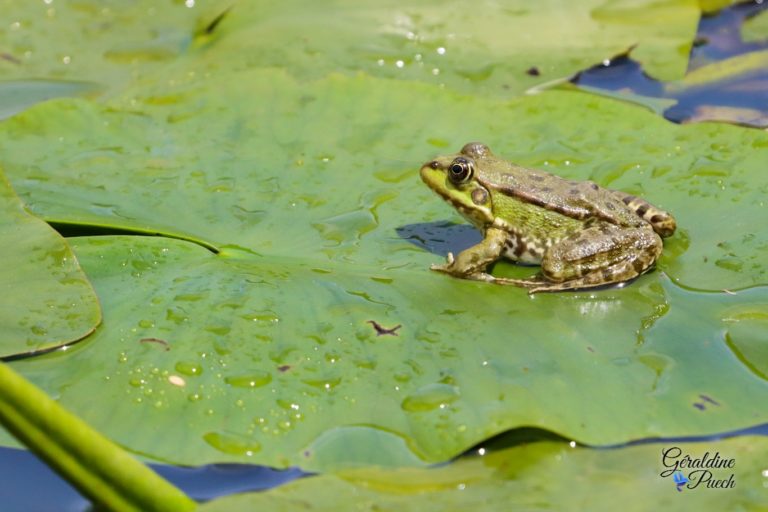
(434, 164)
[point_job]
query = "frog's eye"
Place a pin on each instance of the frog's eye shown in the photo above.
(461, 170)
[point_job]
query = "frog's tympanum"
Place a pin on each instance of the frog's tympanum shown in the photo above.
(581, 234)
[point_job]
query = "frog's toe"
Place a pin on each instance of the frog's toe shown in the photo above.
(531, 284)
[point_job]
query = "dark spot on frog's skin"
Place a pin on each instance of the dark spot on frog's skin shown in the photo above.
(533, 71)
(519, 248)
(607, 274)
(479, 196)
(638, 265)
(628, 199)
(536, 177)
(709, 399)
(642, 209)
(573, 191)
(657, 218)
(594, 186)
(699, 406)
(546, 189)
(610, 206)
(535, 252)
(284, 368)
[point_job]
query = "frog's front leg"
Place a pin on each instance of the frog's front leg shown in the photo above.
(600, 255)
(471, 263)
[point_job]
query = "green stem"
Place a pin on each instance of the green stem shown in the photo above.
(101, 470)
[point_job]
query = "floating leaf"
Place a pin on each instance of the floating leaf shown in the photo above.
(271, 174)
(539, 476)
(287, 369)
(491, 51)
(756, 28)
(265, 347)
(88, 41)
(47, 301)
(110, 477)
(17, 95)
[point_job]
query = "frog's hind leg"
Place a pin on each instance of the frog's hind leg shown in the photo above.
(600, 255)
(662, 222)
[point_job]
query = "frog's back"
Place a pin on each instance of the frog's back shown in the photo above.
(580, 200)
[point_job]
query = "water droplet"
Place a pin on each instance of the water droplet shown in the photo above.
(38, 330)
(190, 369)
(430, 397)
(368, 364)
(252, 380)
(233, 444)
(221, 330)
(263, 318)
(176, 316)
(188, 297)
(730, 263)
(323, 383)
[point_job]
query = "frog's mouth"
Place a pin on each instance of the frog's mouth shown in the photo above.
(461, 198)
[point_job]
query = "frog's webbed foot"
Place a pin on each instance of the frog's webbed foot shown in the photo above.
(450, 267)
(472, 262)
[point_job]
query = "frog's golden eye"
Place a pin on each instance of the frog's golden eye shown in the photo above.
(461, 170)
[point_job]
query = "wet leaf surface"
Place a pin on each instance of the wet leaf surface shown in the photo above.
(268, 333)
(238, 356)
(47, 301)
(725, 80)
(538, 476)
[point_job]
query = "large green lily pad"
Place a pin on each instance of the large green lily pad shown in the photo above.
(271, 176)
(46, 301)
(539, 476)
(106, 43)
(303, 221)
(486, 46)
(239, 356)
(481, 46)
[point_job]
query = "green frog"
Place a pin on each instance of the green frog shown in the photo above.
(581, 234)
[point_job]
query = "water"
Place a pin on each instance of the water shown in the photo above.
(739, 97)
(24, 476)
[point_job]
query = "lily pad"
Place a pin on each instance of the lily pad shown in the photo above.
(756, 28)
(89, 41)
(17, 95)
(500, 49)
(270, 175)
(269, 333)
(47, 300)
(492, 50)
(242, 356)
(540, 476)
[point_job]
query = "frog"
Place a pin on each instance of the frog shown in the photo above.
(582, 235)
